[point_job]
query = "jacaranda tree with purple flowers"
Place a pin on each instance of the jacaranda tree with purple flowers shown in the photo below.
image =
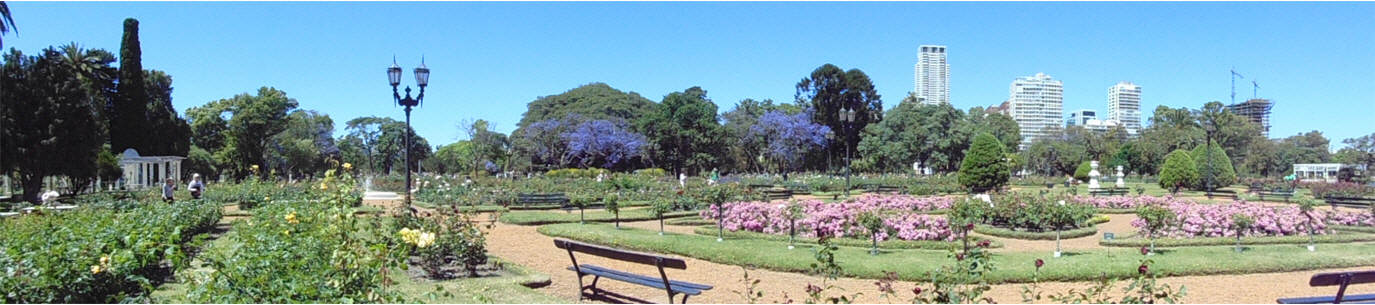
(788, 137)
(603, 144)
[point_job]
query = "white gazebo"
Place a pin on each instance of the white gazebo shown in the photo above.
(146, 171)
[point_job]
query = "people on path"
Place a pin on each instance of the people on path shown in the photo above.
(196, 186)
(714, 176)
(167, 189)
(682, 180)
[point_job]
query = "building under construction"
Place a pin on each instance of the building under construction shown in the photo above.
(1256, 109)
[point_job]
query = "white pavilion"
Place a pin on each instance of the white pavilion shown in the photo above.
(148, 171)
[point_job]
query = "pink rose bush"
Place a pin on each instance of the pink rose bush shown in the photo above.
(1350, 218)
(1215, 220)
(840, 219)
(1121, 202)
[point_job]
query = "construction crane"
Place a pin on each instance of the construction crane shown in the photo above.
(1254, 87)
(1235, 75)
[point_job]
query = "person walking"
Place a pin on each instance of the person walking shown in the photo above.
(196, 186)
(167, 190)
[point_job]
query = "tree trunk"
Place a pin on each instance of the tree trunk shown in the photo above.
(33, 187)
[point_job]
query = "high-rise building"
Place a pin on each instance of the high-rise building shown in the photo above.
(1124, 105)
(932, 82)
(1257, 110)
(1037, 105)
(1081, 117)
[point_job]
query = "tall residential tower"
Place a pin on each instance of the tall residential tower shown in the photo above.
(932, 83)
(1124, 106)
(1037, 106)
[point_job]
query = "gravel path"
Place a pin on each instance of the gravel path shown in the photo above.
(525, 246)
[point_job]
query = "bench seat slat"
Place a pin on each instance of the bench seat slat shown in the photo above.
(687, 288)
(1356, 298)
(617, 254)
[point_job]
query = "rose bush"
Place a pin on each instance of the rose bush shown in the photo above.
(841, 219)
(1215, 220)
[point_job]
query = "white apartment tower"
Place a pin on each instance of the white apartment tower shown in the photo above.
(1124, 105)
(1037, 106)
(932, 83)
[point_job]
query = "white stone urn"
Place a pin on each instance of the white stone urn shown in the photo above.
(1120, 183)
(1093, 175)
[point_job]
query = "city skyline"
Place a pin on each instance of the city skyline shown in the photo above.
(490, 59)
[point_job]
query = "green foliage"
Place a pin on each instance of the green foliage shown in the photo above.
(1031, 212)
(1220, 169)
(830, 89)
(1081, 173)
(961, 282)
(651, 172)
(129, 123)
(983, 167)
(1157, 218)
(576, 173)
(457, 241)
(684, 131)
(1142, 290)
(1179, 170)
(595, 101)
(47, 121)
(98, 255)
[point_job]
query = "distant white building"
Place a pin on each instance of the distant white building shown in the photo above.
(932, 79)
(1097, 125)
(1037, 105)
(148, 171)
(1124, 105)
(1081, 117)
(1317, 172)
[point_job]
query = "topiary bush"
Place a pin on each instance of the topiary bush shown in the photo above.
(983, 167)
(1221, 171)
(1082, 172)
(1179, 170)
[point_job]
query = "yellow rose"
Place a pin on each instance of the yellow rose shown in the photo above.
(95, 269)
(324, 187)
(104, 260)
(348, 166)
(287, 232)
(425, 240)
(291, 218)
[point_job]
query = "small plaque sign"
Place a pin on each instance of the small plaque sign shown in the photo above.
(1107, 236)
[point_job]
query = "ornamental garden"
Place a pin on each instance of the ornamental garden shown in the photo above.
(827, 199)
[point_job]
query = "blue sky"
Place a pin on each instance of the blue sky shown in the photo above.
(1316, 60)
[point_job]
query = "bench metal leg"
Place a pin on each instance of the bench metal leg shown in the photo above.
(685, 296)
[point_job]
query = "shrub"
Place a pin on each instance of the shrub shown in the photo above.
(836, 219)
(1222, 172)
(1191, 219)
(1081, 173)
(983, 167)
(1179, 170)
(1031, 212)
(651, 172)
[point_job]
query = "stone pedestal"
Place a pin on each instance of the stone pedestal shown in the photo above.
(1120, 183)
(1093, 175)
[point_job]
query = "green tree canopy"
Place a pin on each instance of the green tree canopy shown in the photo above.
(684, 132)
(828, 90)
(1179, 170)
(47, 119)
(983, 168)
(1219, 172)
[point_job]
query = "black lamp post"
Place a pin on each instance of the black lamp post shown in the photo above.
(422, 78)
(1208, 129)
(830, 163)
(847, 116)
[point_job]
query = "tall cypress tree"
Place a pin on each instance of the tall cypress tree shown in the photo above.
(129, 120)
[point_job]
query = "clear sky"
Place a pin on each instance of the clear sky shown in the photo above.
(1316, 60)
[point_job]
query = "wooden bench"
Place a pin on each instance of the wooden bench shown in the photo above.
(799, 189)
(526, 199)
(1286, 194)
(776, 194)
(1221, 193)
(598, 272)
(760, 186)
(1108, 192)
(884, 189)
(1340, 279)
(1351, 202)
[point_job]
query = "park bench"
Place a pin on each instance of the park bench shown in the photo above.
(1108, 192)
(599, 272)
(1286, 194)
(883, 189)
(1340, 279)
(1349, 201)
(760, 186)
(777, 194)
(526, 199)
(799, 189)
(1221, 193)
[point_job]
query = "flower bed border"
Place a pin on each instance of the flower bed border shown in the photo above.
(710, 230)
(1231, 241)
(1024, 235)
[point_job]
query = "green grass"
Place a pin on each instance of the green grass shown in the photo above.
(1137, 242)
(1015, 267)
(512, 288)
(710, 231)
(1362, 229)
(689, 221)
(549, 217)
(1026, 235)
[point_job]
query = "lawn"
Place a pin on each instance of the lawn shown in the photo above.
(1010, 267)
(513, 288)
(593, 215)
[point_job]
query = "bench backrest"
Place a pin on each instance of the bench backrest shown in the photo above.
(1336, 278)
(621, 255)
(548, 196)
(1349, 199)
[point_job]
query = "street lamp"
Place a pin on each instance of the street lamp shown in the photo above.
(830, 140)
(422, 78)
(1208, 129)
(847, 116)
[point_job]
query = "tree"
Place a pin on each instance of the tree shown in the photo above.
(304, 146)
(1179, 170)
(603, 144)
(1082, 172)
(452, 158)
(6, 22)
(487, 146)
(828, 90)
(595, 101)
(683, 131)
(787, 138)
(169, 134)
(48, 120)
(743, 151)
(129, 125)
(1359, 150)
(1219, 172)
(935, 135)
(983, 168)
(98, 77)
(256, 119)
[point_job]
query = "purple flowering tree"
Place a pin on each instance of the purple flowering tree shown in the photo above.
(787, 137)
(545, 141)
(603, 144)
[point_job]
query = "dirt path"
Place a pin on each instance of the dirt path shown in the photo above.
(525, 246)
(1118, 224)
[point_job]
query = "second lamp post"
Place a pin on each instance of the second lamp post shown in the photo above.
(422, 78)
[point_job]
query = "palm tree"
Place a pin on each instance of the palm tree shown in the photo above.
(93, 69)
(6, 22)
